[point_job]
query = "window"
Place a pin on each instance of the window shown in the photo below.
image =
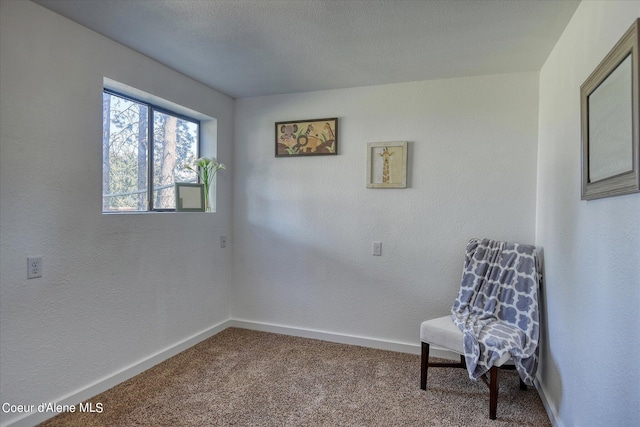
(144, 150)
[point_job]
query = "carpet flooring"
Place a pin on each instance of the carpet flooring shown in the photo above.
(248, 378)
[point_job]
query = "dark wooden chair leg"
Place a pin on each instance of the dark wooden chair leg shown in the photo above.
(425, 365)
(523, 386)
(493, 392)
(492, 382)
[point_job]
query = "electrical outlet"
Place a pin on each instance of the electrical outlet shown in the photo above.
(34, 267)
(376, 248)
(223, 241)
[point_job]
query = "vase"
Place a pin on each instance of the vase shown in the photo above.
(207, 204)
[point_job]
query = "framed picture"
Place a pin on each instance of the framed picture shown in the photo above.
(387, 164)
(189, 197)
(317, 137)
(610, 115)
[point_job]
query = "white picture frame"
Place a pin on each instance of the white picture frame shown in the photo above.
(387, 164)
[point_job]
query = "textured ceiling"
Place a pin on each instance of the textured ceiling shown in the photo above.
(261, 47)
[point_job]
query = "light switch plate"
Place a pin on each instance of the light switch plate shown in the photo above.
(376, 249)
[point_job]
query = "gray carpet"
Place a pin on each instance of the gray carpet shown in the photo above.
(248, 378)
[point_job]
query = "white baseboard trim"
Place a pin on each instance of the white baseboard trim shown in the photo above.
(112, 380)
(551, 411)
(341, 338)
(327, 336)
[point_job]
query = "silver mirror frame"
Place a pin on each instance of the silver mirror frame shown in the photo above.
(627, 182)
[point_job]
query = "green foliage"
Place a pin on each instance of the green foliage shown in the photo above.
(127, 160)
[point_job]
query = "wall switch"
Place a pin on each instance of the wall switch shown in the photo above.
(377, 248)
(223, 241)
(34, 267)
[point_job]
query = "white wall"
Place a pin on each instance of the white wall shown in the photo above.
(303, 226)
(588, 371)
(117, 289)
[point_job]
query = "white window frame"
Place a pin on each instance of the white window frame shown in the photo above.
(207, 140)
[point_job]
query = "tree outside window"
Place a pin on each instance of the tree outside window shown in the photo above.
(133, 133)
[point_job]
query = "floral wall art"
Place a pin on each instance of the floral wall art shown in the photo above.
(307, 137)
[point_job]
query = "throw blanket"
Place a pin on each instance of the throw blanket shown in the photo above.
(497, 306)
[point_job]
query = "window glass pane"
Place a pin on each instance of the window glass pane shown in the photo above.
(175, 144)
(124, 154)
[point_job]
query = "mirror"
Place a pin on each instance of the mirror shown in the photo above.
(609, 109)
(610, 135)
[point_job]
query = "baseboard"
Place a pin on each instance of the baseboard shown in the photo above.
(112, 380)
(551, 411)
(341, 338)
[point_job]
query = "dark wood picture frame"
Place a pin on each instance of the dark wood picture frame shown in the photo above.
(313, 137)
(610, 122)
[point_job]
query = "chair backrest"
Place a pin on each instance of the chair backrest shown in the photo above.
(501, 279)
(497, 305)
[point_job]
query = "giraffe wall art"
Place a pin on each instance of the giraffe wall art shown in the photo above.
(387, 164)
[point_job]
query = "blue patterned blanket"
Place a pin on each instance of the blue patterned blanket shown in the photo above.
(497, 306)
